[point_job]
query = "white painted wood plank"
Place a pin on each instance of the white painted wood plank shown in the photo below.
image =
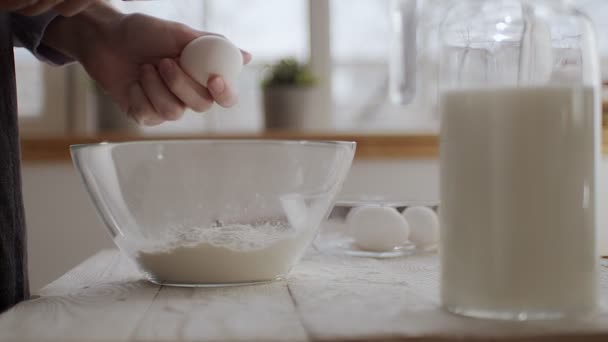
(100, 300)
(244, 313)
(342, 298)
(88, 272)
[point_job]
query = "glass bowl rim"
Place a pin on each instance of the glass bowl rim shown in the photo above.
(326, 143)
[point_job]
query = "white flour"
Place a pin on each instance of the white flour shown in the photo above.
(233, 253)
(518, 196)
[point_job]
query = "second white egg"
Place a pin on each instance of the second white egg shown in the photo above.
(424, 226)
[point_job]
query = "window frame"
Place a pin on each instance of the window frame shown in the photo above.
(53, 119)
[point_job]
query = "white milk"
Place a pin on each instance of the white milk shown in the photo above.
(518, 197)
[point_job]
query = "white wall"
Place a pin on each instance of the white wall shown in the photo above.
(64, 229)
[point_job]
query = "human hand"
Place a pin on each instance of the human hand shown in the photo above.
(65, 8)
(134, 59)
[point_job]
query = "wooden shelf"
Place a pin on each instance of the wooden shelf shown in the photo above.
(52, 149)
(369, 147)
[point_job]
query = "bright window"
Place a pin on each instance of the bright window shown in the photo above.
(42, 97)
(360, 37)
(270, 30)
(597, 10)
(31, 84)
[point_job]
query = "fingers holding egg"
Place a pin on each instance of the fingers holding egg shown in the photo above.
(211, 55)
(139, 107)
(164, 102)
(247, 57)
(190, 92)
(223, 93)
(215, 63)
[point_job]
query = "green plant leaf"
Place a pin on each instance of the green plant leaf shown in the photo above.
(289, 72)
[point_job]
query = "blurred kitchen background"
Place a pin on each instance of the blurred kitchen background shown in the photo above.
(346, 42)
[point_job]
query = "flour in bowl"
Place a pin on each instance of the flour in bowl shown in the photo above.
(224, 254)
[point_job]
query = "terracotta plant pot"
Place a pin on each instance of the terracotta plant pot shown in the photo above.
(293, 108)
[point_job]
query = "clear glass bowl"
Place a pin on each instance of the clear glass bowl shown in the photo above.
(213, 212)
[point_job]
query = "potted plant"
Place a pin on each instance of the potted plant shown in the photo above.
(289, 91)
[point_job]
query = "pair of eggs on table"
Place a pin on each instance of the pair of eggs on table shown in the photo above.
(382, 228)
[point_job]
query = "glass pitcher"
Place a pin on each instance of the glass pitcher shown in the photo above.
(520, 147)
(414, 63)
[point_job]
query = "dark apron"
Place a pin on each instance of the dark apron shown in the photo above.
(13, 261)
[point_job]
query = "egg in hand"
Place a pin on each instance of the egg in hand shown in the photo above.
(211, 55)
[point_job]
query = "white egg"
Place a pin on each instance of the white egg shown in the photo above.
(424, 226)
(378, 229)
(352, 212)
(211, 55)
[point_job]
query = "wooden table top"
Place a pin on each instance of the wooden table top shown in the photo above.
(326, 298)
